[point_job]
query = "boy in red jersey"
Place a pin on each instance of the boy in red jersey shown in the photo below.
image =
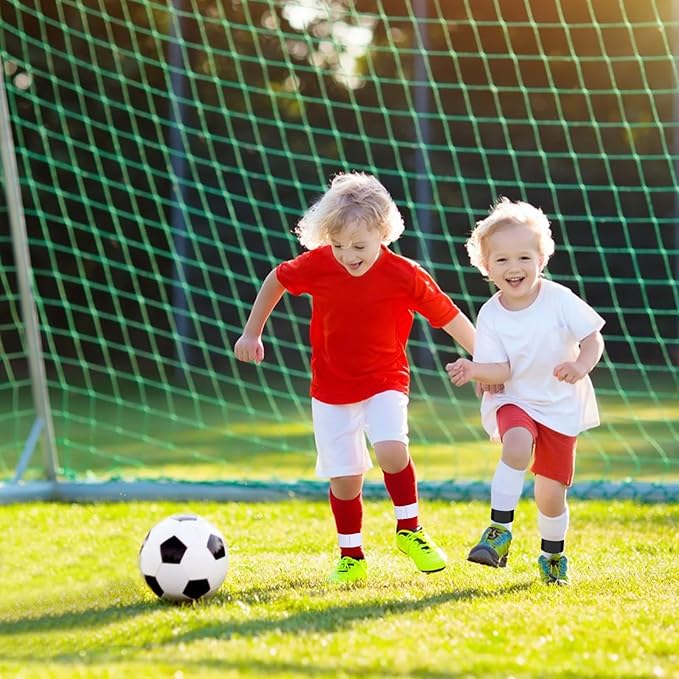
(364, 298)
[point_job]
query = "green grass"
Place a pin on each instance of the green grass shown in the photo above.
(254, 448)
(74, 605)
(249, 435)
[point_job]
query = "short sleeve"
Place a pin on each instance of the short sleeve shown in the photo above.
(430, 301)
(580, 318)
(487, 345)
(296, 275)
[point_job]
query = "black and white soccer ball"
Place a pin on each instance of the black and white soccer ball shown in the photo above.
(184, 558)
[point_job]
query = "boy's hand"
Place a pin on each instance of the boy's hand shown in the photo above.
(482, 388)
(249, 349)
(570, 372)
(460, 372)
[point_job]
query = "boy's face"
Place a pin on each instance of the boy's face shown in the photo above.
(356, 248)
(514, 264)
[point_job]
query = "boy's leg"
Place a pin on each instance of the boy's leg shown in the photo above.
(411, 539)
(348, 515)
(342, 456)
(553, 520)
(401, 485)
(518, 433)
(553, 467)
(387, 429)
(505, 493)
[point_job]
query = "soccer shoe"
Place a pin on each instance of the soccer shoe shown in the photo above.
(425, 553)
(493, 548)
(349, 571)
(554, 570)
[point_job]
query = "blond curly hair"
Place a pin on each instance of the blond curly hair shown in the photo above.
(507, 213)
(352, 198)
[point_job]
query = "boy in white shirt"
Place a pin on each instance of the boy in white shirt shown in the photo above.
(541, 341)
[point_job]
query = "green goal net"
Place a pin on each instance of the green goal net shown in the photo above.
(166, 149)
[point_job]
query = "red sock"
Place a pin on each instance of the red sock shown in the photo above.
(349, 521)
(402, 489)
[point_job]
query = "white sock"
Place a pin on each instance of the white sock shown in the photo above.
(505, 491)
(553, 531)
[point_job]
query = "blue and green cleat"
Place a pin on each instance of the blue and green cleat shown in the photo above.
(493, 548)
(554, 570)
(425, 553)
(349, 571)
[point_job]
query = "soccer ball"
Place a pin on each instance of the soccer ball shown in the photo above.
(183, 558)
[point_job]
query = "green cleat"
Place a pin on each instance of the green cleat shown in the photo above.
(349, 571)
(554, 571)
(493, 548)
(425, 553)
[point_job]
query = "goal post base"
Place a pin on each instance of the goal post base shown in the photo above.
(271, 491)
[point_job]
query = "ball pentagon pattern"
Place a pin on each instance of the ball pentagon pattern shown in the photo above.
(183, 558)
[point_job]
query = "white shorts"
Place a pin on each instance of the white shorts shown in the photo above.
(340, 431)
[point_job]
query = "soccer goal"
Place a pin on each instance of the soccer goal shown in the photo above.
(157, 155)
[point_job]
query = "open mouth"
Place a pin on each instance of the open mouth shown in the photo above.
(515, 281)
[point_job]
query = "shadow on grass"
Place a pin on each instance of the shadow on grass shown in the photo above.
(320, 619)
(337, 617)
(74, 619)
(331, 667)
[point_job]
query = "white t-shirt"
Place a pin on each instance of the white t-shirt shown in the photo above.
(535, 340)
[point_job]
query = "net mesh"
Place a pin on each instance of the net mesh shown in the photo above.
(167, 149)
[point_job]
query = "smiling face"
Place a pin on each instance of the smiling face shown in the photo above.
(514, 263)
(356, 247)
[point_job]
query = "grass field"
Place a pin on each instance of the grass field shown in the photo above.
(74, 605)
(637, 440)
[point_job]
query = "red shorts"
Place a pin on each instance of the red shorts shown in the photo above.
(554, 453)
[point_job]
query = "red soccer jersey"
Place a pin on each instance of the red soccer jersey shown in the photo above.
(360, 324)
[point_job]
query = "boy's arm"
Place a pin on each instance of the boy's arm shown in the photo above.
(591, 350)
(463, 370)
(249, 346)
(462, 331)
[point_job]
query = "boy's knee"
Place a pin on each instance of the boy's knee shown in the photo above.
(517, 448)
(392, 456)
(346, 487)
(550, 496)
